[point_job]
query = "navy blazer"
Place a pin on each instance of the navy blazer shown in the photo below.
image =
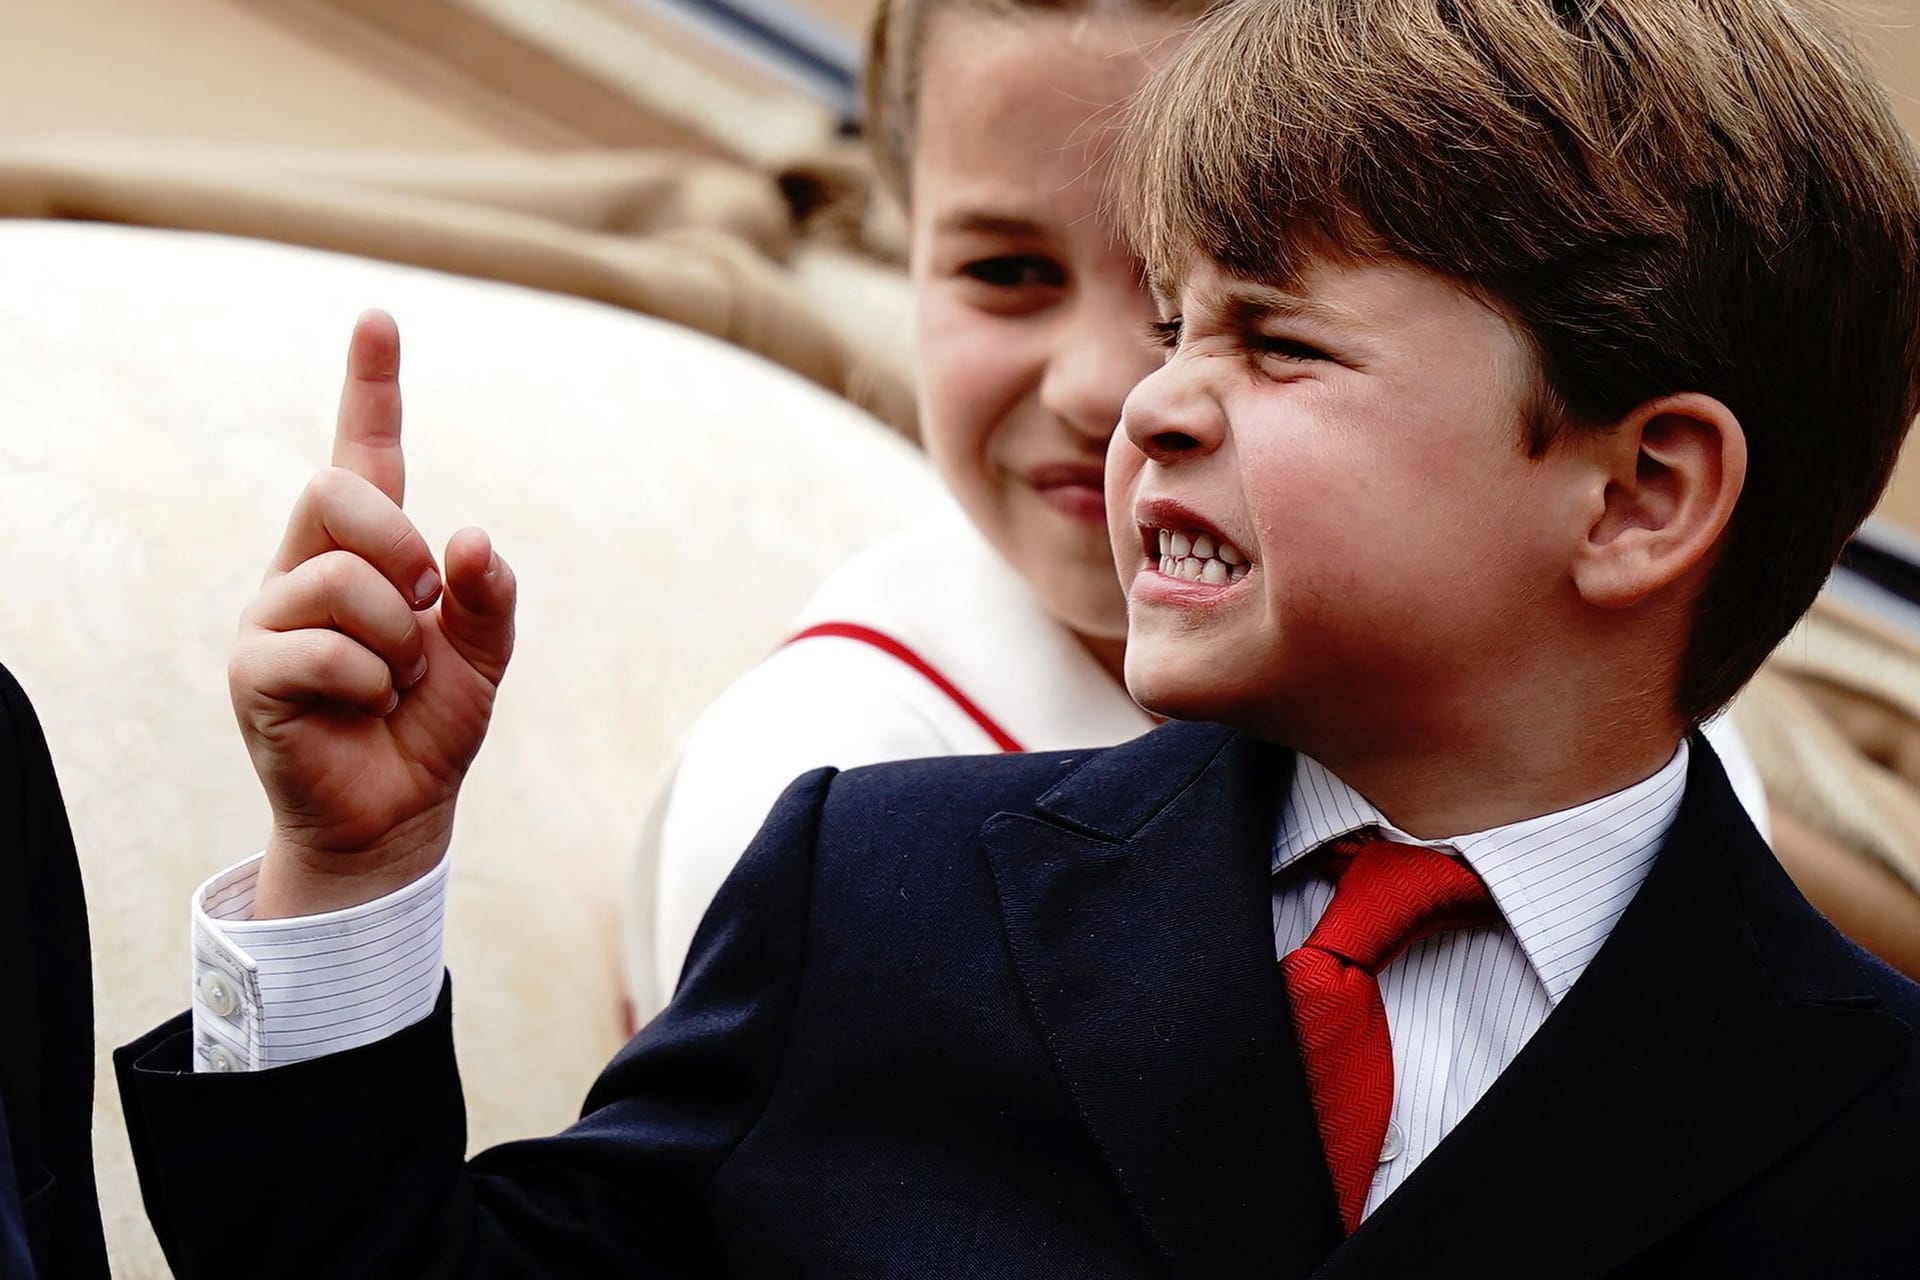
(46, 1010)
(1021, 1016)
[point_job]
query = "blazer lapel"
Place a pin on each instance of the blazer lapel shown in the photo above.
(1720, 1024)
(1137, 907)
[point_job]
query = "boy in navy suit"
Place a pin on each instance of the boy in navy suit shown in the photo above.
(1528, 365)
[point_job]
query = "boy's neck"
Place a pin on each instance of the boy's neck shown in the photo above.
(1434, 788)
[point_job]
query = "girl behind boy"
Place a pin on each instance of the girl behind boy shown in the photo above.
(998, 624)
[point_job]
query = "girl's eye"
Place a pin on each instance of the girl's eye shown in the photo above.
(1016, 271)
(1164, 334)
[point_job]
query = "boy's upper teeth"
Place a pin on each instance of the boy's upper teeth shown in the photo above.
(1200, 557)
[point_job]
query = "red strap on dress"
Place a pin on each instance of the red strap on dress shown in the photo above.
(893, 648)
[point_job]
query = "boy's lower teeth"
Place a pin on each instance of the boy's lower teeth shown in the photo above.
(1212, 570)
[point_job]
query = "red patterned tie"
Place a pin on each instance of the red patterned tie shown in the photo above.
(1389, 896)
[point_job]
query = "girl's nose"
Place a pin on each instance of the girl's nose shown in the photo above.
(1169, 415)
(1098, 355)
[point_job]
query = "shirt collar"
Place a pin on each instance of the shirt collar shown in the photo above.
(1561, 880)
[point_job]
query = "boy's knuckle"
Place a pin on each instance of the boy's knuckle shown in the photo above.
(326, 486)
(320, 587)
(404, 541)
(344, 576)
(325, 657)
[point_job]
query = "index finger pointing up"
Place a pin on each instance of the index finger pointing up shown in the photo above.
(366, 439)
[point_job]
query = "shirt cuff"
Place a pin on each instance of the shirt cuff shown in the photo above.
(267, 993)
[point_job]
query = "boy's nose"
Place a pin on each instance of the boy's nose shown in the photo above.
(1097, 357)
(1169, 415)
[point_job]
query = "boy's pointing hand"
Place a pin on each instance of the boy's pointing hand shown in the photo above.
(363, 686)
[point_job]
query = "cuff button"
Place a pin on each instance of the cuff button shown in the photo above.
(217, 994)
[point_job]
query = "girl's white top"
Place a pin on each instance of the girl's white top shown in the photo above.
(940, 589)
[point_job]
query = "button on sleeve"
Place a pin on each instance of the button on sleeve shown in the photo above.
(271, 992)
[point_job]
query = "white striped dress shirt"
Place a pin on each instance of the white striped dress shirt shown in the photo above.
(271, 992)
(1461, 1004)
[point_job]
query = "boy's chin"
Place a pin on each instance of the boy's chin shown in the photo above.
(1181, 691)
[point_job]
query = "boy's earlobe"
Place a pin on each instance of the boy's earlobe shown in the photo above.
(1674, 468)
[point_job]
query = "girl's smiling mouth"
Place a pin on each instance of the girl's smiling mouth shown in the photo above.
(1074, 489)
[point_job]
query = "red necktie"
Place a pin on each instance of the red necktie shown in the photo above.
(1388, 897)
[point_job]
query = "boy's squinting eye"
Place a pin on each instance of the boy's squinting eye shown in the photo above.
(1166, 334)
(1016, 271)
(1285, 348)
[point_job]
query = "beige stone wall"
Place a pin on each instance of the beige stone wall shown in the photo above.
(218, 70)
(437, 74)
(1891, 33)
(1893, 40)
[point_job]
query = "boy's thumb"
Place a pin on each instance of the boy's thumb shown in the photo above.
(476, 609)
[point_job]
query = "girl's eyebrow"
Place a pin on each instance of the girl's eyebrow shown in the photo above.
(981, 222)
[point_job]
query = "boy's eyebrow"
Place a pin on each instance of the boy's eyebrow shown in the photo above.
(1246, 305)
(1164, 290)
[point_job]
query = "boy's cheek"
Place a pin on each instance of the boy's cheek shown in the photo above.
(1122, 469)
(1123, 465)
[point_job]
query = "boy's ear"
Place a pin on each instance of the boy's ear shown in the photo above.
(1666, 481)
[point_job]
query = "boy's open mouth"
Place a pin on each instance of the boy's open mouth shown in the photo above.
(1193, 556)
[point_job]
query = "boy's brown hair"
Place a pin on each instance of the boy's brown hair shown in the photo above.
(897, 38)
(1663, 195)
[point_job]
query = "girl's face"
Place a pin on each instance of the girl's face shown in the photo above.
(1032, 315)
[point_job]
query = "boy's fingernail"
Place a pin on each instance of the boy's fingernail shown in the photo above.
(418, 673)
(393, 700)
(429, 583)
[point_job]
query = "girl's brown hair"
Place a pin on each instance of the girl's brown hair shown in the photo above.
(897, 40)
